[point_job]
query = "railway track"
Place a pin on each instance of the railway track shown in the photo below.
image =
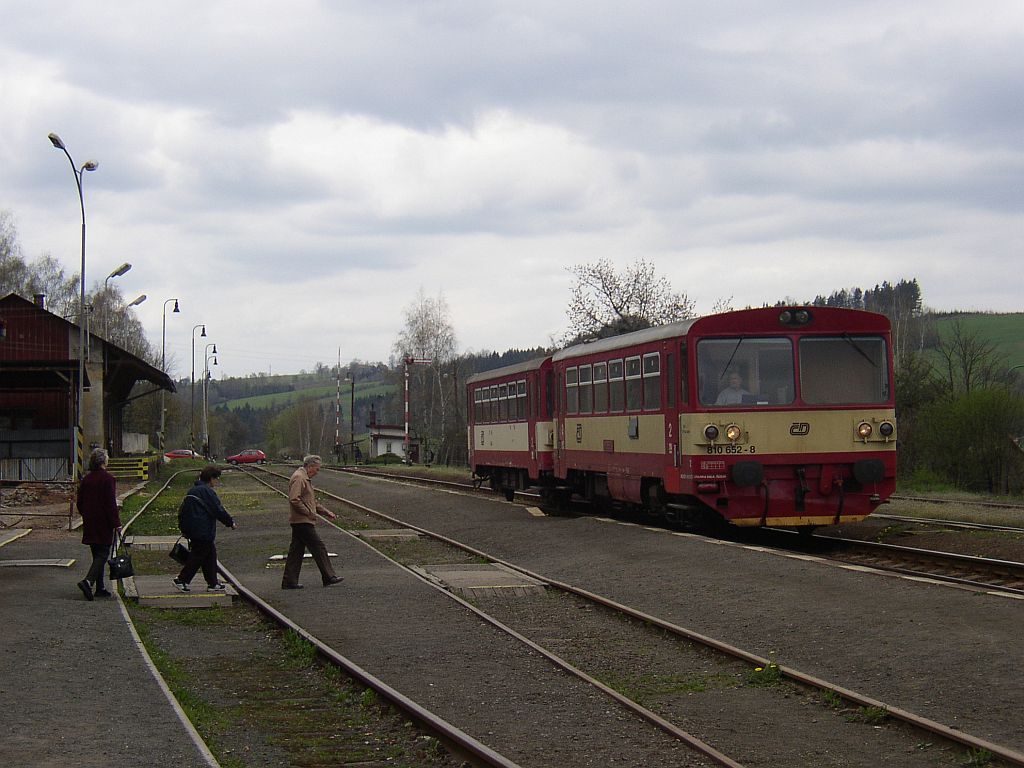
(990, 574)
(460, 744)
(754, 664)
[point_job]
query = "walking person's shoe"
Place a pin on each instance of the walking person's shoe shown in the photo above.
(218, 587)
(334, 580)
(86, 588)
(101, 592)
(291, 586)
(182, 585)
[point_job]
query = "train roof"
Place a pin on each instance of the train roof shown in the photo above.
(757, 320)
(668, 331)
(509, 370)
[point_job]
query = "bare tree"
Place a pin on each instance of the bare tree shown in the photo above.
(428, 335)
(605, 302)
(968, 361)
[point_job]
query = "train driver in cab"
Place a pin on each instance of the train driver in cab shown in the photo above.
(734, 393)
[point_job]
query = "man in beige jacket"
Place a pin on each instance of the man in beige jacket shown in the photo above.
(303, 511)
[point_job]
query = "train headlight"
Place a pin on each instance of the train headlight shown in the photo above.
(794, 317)
(711, 433)
(733, 432)
(886, 428)
(864, 430)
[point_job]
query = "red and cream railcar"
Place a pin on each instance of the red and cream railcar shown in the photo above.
(511, 433)
(775, 416)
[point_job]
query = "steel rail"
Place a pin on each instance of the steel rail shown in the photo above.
(1010, 569)
(1012, 756)
(947, 523)
(642, 712)
(967, 502)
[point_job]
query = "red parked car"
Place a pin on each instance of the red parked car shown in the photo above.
(249, 456)
(181, 453)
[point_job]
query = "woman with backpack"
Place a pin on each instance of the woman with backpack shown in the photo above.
(197, 519)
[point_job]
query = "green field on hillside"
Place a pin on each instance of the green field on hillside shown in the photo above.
(326, 392)
(1004, 331)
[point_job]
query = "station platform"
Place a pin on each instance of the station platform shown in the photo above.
(75, 686)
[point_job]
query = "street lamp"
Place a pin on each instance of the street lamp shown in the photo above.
(133, 303)
(206, 399)
(192, 392)
(106, 300)
(163, 367)
(78, 438)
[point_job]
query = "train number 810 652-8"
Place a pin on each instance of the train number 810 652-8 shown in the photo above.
(731, 449)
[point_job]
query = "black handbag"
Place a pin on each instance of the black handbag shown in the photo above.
(120, 565)
(180, 552)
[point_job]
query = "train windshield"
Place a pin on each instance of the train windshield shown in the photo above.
(745, 371)
(843, 370)
(758, 371)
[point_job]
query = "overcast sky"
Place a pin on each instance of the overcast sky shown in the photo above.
(295, 172)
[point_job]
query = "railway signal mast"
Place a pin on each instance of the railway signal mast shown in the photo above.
(410, 361)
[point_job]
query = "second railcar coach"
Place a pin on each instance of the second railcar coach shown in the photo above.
(511, 434)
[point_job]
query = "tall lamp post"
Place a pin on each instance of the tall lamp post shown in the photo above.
(203, 435)
(77, 440)
(106, 302)
(192, 391)
(206, 399)
(163, 367)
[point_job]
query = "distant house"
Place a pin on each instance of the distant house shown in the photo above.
(389, 438)
(39, 362)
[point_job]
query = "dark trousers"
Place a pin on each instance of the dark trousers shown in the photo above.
(304, 536)
(100, 554)
(202, 554)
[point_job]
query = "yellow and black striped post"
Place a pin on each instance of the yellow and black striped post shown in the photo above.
(79, 453)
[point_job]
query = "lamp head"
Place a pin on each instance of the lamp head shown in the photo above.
(138, 300)
(215, 352)
(90, 165)
(175, 306)
(120, 270)
(55, 140)
(204, 331)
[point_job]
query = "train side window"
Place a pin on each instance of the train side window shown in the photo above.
(520, 400)
(476, 405)
(503, 402)
(600, 387)
(652, 382)
(494, 403)
(549, 388)
(634, 384)
(616, 390)
(572, 391)
(586, 390)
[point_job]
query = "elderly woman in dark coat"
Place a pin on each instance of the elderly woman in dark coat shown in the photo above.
(197, 519)
(97, 504)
